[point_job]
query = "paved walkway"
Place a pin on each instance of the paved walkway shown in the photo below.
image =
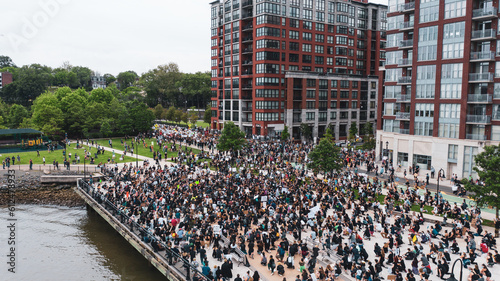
(323, 258)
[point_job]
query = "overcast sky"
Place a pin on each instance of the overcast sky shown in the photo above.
(109, 36)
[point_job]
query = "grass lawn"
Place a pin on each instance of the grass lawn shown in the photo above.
(57, 155)
(142, 150)
(198, 124)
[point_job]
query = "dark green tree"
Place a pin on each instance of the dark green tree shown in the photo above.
(368, 129)
(16, 115)
(487, 167)
(285, 135)
(158, 110)
(353, 131)
(161, 85)
(126, 79)
(109, 78)
(207, 117)
(306, 131)
(83, 74)
(325, 157)
(30, 82)
(232, 138)
(6, 61)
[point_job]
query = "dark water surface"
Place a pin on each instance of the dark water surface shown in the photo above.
(62, 243)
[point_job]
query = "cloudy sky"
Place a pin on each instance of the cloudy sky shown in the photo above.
(109, 36)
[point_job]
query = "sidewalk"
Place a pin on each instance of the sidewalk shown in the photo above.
(486, 213)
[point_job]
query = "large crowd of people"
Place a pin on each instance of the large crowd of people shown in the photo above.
(270, 207)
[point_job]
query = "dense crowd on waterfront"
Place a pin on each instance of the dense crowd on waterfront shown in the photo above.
(270, 207)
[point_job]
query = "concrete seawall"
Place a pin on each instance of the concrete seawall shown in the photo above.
(171, 273)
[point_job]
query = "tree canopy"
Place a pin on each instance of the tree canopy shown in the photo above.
(488, 170)
(232, 138)
(325, 157)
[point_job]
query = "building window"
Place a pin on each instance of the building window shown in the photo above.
(469, 153)
(454, 8)
(310, 116)
(423, 128)
(453, 152)
(423, 161)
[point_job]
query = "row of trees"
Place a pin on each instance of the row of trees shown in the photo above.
(165, 85)
(102, 113)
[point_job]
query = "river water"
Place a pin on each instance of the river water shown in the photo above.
(61, 243)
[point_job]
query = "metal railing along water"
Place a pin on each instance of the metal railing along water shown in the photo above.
(172, 257)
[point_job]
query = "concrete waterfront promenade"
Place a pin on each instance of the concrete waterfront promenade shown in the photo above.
(323, 258)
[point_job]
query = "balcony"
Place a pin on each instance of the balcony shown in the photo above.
(404, 44)
(405, 62)
(480, 77)
(402, 115)
(404, 131)
(247, 27)
(473, 98)
(406, 25)
(297, 97)
(487, 34)
(484, 13)
(247, 87)
(479, 119)
(297, 110)
(247, 3)
(403, 98)
(246, 108)
(297, 120)
(247, 50)
(404, 80)
(247, 62)
(475, 137)
(247, 39)
(482, 56)
(407, 7)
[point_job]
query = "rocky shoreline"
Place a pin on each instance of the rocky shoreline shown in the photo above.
(29, 190)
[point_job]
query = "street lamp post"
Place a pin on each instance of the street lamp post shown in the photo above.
(137, 154)
(452, 277)
(84, 167)
(439, 176)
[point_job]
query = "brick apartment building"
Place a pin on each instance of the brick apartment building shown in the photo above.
(277, 63)
(5, 78)
(441, 92)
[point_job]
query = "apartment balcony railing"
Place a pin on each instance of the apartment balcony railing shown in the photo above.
(247, 50)
(475, 137)
(406, 61)
(247, 86)
(484, 13)
(406, 43)
(406, 25)
(247, 3)
(407, 7)
(403, 115)
(474, 98)
(481, 77)
(404, 80)
(404, 131)
(246, 108)
(479, 119)
(487, 34)
(247, 27)
(297, 120)
(403, 98)
(297, 109)
(482, 56)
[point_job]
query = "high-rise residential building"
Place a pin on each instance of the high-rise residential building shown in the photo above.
(441, 97)
(279, 62)
(5, 78)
